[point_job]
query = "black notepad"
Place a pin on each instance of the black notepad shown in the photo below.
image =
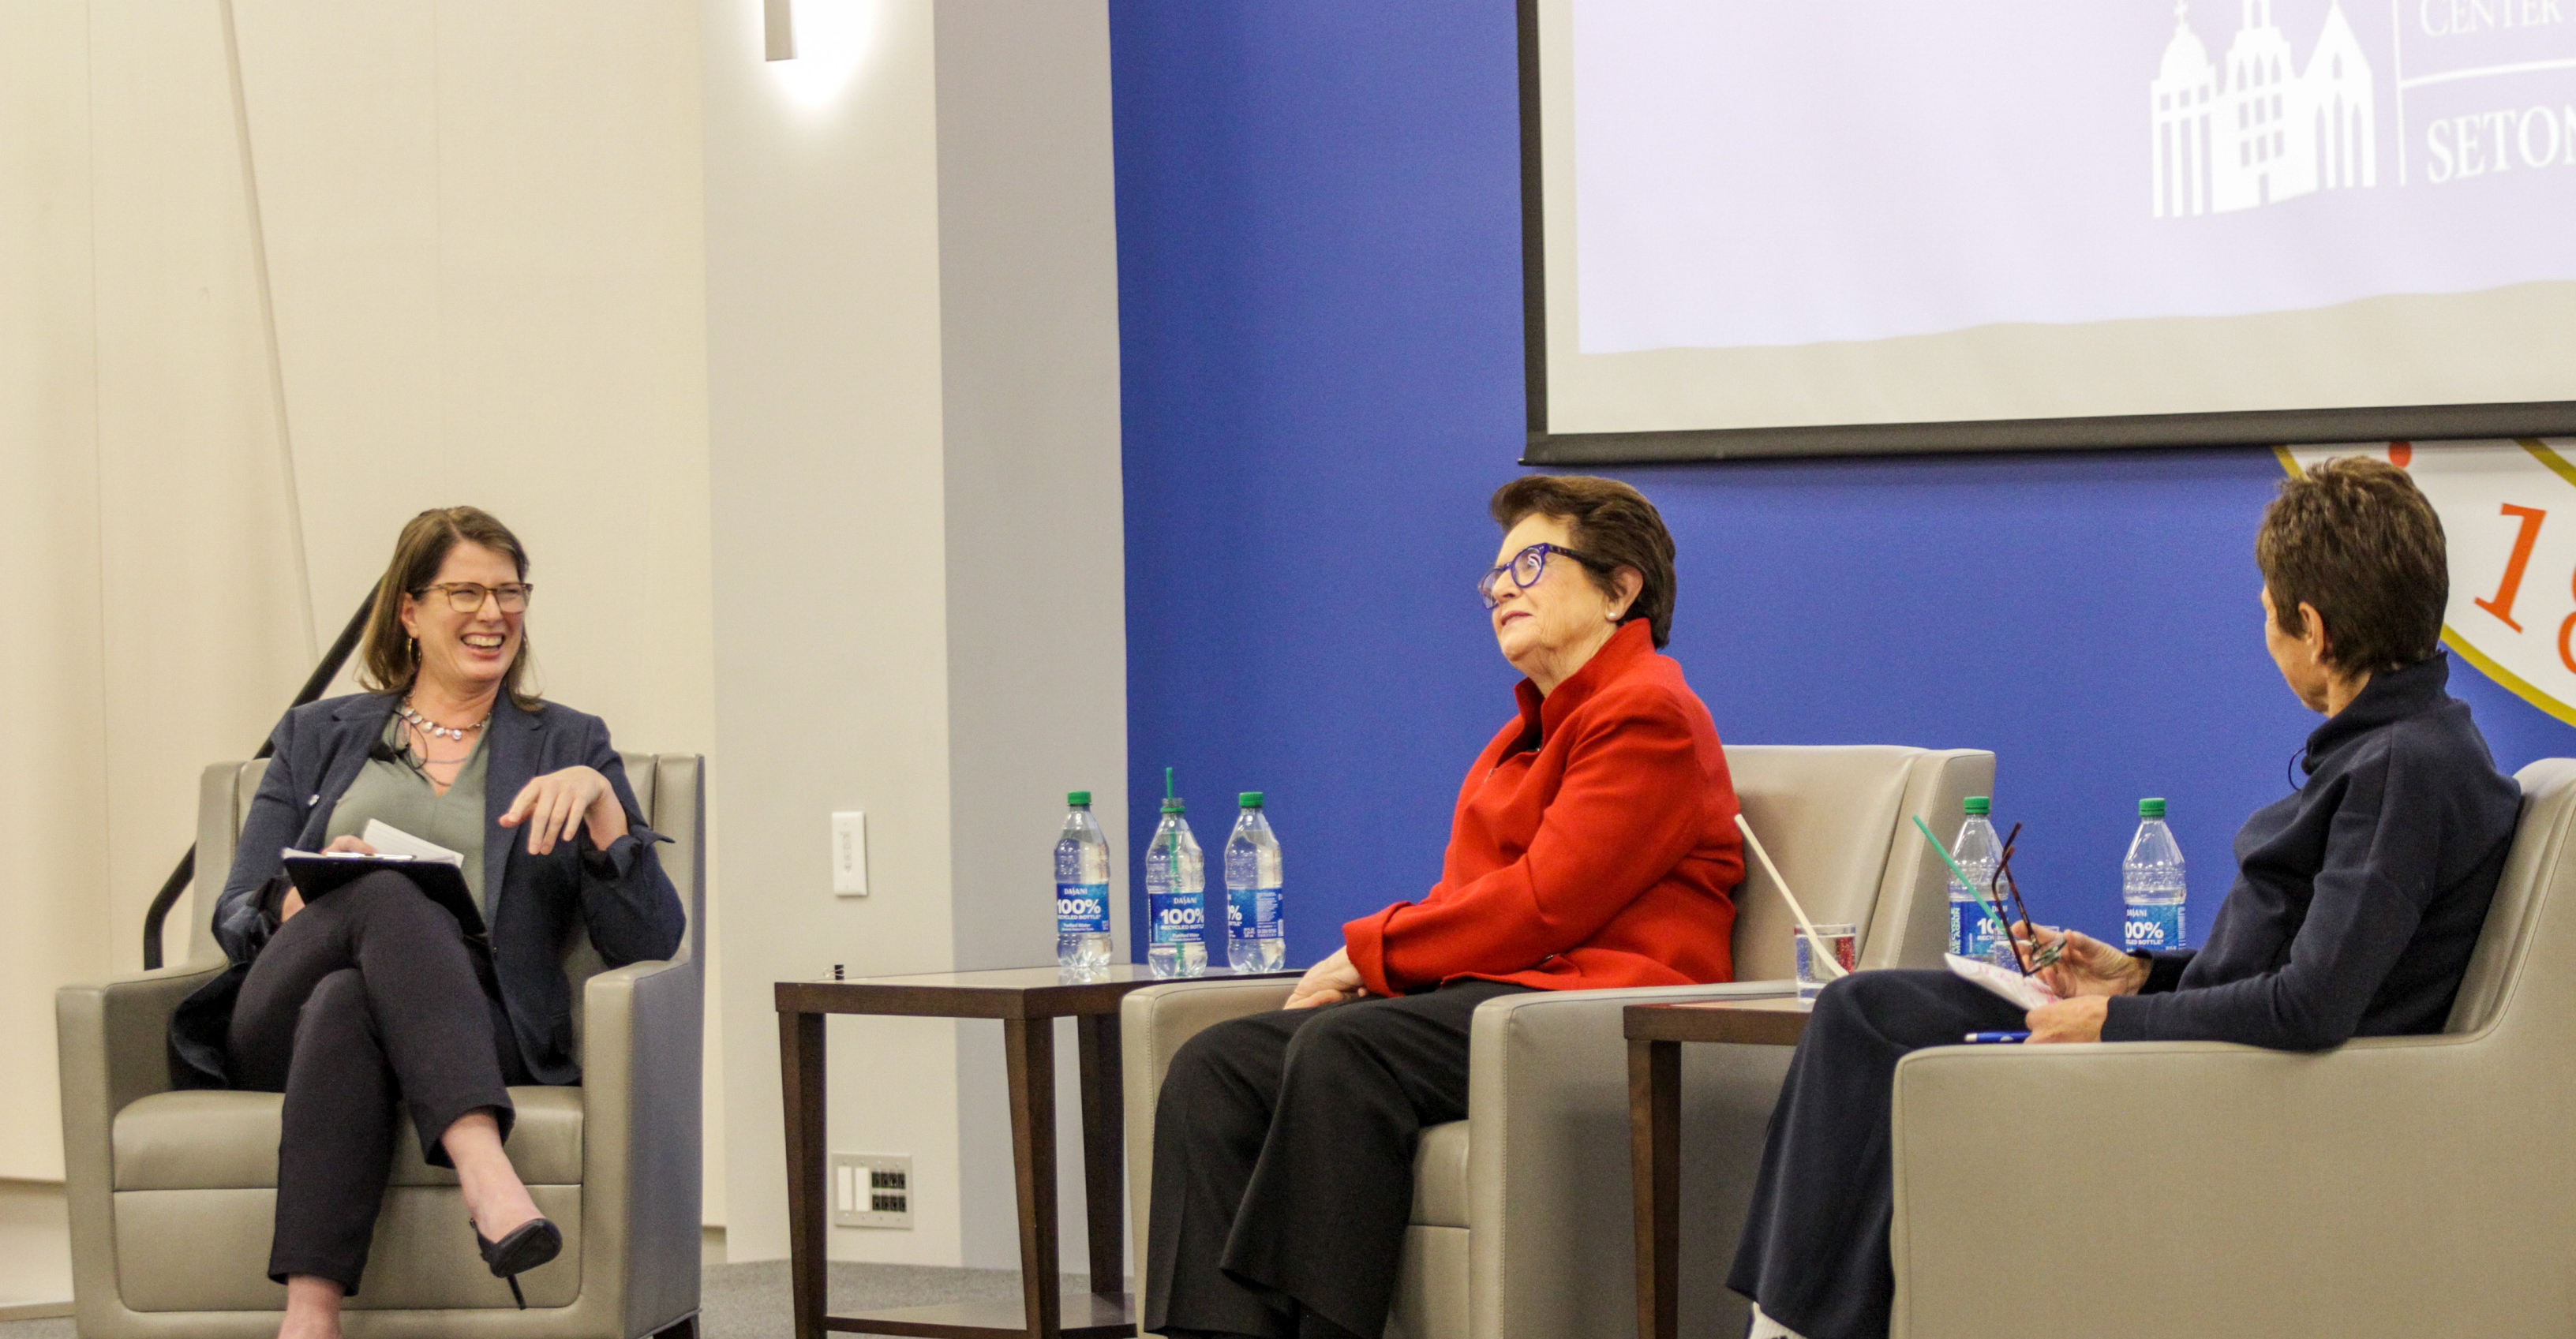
(316, 875)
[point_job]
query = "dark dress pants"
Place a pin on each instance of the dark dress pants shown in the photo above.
(1283, 1162)
(1814, 1250)
(364, 1008)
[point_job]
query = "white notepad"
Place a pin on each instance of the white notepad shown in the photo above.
(2025, 991)
(391, 840)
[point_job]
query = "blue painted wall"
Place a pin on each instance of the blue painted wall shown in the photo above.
(1319, 269)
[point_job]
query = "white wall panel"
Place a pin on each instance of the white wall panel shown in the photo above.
(484, 232)
(1028, 265)
(53, 776)
(204, 632)
(831, 588)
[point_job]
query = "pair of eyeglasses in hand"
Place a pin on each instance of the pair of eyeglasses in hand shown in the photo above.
(2004, 885)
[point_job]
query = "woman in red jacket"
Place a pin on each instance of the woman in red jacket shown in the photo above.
(1594, 845)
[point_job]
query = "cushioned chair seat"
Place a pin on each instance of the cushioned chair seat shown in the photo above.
(199, 1251)
(228, 1141)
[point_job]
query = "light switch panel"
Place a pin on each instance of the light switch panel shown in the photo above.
(850, 854)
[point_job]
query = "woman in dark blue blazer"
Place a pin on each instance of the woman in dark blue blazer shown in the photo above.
(2358, 902)
(371, 1003)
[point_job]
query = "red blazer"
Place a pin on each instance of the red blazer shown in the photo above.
(1594, 845)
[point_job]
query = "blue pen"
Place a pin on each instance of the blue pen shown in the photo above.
(1993, 1038)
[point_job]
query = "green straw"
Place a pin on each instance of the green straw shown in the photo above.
(1985, 896)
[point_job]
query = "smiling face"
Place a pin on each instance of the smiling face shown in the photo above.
(1563, 616)
(465, 655)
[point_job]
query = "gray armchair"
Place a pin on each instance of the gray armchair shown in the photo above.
(2396, 1186)
(1522, 1221)
(171, 1194)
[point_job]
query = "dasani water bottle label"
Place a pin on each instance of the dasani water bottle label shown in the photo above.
(1973, 932)
(1176, 916)
(1082, 908)
(2149, 927)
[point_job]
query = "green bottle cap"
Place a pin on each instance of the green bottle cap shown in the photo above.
(2151, 808)
(1250, 799)
(1174, 805)
(1980, 804)
(1077, 797)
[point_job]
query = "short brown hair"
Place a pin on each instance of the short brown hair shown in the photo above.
(1609, 522)
(388, 661)
(2356, 539)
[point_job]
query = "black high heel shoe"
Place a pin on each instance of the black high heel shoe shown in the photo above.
(529, 1245)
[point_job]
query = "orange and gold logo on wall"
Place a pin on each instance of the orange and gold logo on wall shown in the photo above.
(2508, 513)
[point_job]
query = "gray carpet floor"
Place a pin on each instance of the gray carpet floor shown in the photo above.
(750, 1301)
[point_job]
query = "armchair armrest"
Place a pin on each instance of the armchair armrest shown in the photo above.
(2395, 1185)
(1152, 1024)
(112, 1045)
(641, 1174)
(114, 1035)
(1551, 1237)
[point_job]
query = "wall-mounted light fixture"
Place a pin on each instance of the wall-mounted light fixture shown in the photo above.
(778, 19)
(815, 48)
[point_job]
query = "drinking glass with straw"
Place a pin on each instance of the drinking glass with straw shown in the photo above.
(1820, 949)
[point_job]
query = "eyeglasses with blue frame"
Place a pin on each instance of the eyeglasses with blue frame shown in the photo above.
(1527, 566)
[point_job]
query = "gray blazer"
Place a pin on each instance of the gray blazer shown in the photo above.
(620, 897)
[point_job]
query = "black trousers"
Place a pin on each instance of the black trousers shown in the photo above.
(1814, 1251)
(366, 1007)
(1283, 1162)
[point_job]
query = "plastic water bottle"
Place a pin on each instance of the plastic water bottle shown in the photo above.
(2151, 883)
(1973, 931)
(1256, 924)
(1175, 894)
(1081, 889)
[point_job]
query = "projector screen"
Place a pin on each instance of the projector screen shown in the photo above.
(1761, 228)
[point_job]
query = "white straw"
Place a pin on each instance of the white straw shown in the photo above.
(1823, 954)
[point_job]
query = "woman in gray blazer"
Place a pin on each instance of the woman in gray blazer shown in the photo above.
(371, 1003)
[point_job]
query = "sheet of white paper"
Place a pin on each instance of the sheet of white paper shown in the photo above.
(391, 840)
(2025, 991)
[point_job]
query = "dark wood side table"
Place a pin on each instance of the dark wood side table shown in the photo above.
(1027, 1001)
(1655, 1036)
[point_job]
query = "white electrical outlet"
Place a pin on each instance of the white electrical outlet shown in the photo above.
(850, 855)
(872, 1190)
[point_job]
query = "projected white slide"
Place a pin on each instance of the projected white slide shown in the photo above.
(1883, 210)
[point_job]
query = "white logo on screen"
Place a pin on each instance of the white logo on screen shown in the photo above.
(2259, 130)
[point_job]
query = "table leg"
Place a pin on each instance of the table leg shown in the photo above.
(1654, 1151)
(1104, 1144)
(1030, 1044)
(800, 1064)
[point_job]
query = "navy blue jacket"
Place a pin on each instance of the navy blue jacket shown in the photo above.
(620, 897)
(2359, 897)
